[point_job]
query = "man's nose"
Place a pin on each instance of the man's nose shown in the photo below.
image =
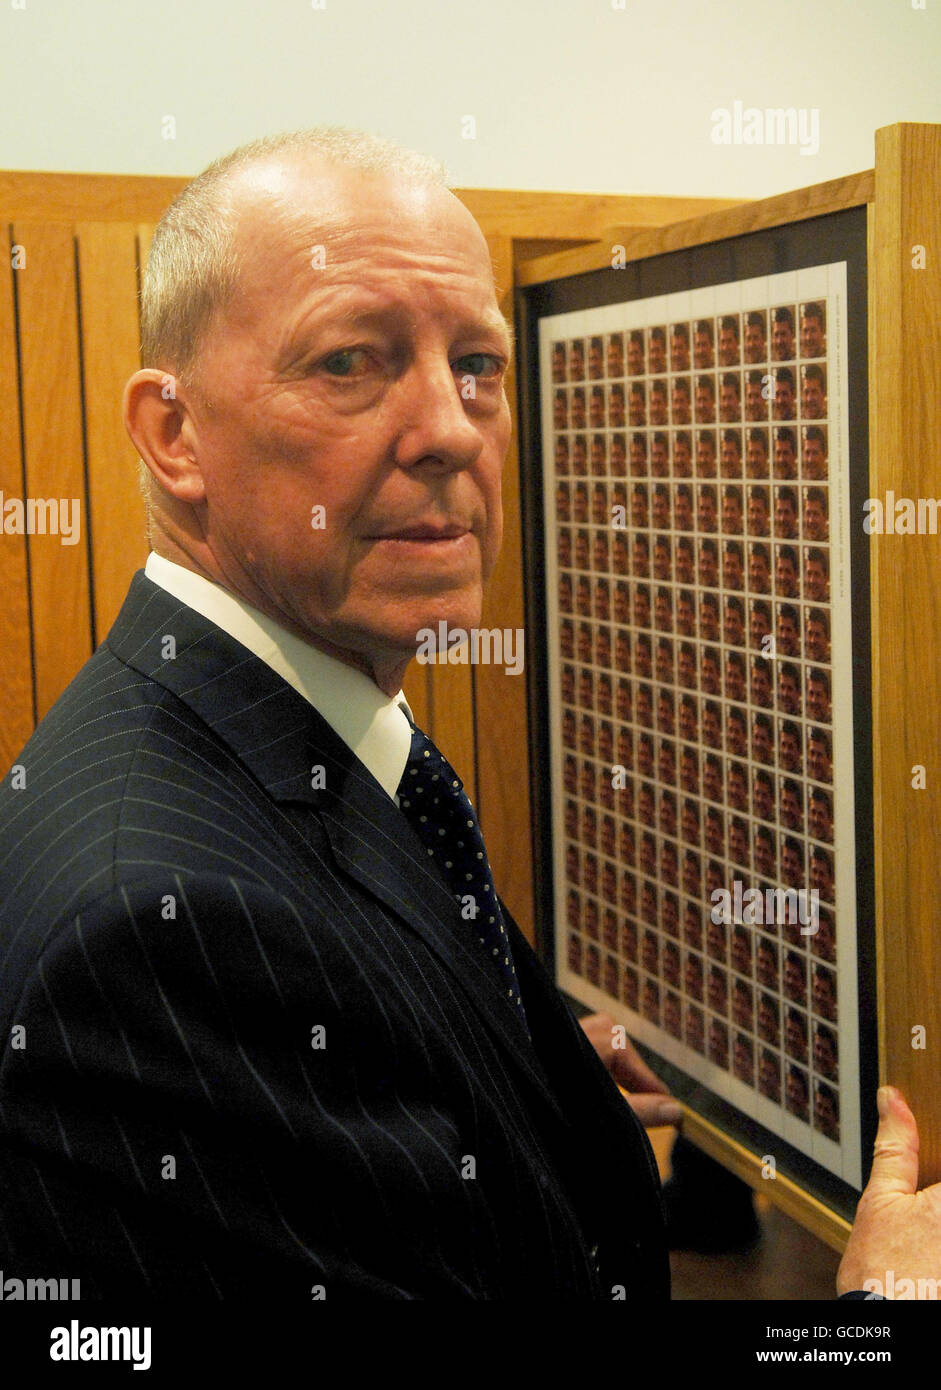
(434, 424)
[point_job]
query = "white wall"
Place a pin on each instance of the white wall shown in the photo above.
(566, 94)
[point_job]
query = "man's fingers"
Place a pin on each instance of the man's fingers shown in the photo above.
(895, 1165)
(654, 1110)
(638, 1076)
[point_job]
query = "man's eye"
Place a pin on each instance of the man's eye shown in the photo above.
(345, 362)
(479, 364)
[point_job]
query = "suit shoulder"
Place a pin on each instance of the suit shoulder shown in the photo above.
(118, 780)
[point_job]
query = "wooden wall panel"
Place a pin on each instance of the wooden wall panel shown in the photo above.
(16, 669)
(906, 587)
(500, 709)
(145, 235)
(71, 198)
(417, 690)
(53, 449)
(452, 726)
(110, 353)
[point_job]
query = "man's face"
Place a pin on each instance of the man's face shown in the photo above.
(782, 340)
(371, 388)
(728, 347)
(820, 819)
(758, 575)
(794, 985)
(729, 405)
(762, 799)
(785, 518)
(811, 336)
(705, 404)
(732, 573)
(783, 399)
(755, 405)
(787, 634)
(769, 1082)
(702, 348)
(818, 703)
(708, 620)
(754, 343)
(790, 804)
(784, 462)
(758, 515)
(813, 405)
(681, 411)
(818, 760)
(761, 742)
(679, 352)
(815, 521)
(816, 639)
(760, 626)
(708, 567)
(756, 459)
(761, 692)
(788, 692)
(731, 459)
(684, 512)
(815, 578)
(735, 725)
(786, 576)
(705, 458)
(711, 730)
(682, 458)
(764, 855)
(815, 463)
(707, 511)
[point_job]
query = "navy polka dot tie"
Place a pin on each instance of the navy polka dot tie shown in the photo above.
(433, 798)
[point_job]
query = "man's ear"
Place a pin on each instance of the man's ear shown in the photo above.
(157, 418)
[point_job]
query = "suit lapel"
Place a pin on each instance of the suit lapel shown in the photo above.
(281, 739)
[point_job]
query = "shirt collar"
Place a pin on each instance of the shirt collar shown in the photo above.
(374, 726)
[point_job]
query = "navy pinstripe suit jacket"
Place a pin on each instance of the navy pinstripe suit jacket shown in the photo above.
(179, 911)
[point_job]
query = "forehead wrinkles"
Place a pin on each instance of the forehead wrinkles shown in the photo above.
(404, 266)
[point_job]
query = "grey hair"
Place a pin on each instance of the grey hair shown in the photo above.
(193, 267)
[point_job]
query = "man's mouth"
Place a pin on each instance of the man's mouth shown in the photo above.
(425, 533)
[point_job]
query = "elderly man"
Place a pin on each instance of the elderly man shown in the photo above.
(271, 1044)
(264, 1031)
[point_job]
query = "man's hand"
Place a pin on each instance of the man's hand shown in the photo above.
(629, 1070)
(897, 1228)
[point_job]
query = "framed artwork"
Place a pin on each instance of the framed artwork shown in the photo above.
(694, 444)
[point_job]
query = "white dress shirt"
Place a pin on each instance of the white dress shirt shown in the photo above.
(374, 726)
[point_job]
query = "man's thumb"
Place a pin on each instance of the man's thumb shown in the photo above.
(895, 1161)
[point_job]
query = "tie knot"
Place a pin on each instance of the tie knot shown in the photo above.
(427, 769)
